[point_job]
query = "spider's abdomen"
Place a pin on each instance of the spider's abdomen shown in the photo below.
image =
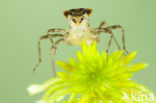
(77, 37)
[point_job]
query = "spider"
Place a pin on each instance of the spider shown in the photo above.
(79, 31)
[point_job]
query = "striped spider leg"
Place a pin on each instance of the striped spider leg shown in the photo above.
(104, 23)
(100, 30)
(108, 30)
(54, 44)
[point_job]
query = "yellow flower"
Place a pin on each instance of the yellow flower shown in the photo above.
(96, 78)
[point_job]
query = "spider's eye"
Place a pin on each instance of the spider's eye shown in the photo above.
(74, 20)
(81, 20)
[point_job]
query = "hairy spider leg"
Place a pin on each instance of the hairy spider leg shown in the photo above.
(123, 36)
(49, 36)
(109, 28)
(52, 57)
(55, 30)
(104, 23)
(110, 40)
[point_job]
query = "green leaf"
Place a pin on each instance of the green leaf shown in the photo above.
(137, 67)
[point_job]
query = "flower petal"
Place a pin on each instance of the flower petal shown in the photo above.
(59, 99)
(84, 47)
(34, 89)
(72, 97)
(41, 101)
(93, 47)
(137, 67)
(114, 57)
(65, 66)
(80, 57)
(58, 94)
(127, 59)
(53, 89)
(64, 75)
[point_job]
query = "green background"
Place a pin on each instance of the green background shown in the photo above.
(22, 22)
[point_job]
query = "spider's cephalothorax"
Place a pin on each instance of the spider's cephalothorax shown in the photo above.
(79, 31)
(77, 17)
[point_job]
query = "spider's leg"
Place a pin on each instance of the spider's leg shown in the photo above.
(123, 37)
(54, 30)
(104, 23)
(39, 48)
(109, 43)
(52, 57)
(105, 31)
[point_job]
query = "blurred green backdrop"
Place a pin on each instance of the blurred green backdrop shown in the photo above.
(22, 22)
